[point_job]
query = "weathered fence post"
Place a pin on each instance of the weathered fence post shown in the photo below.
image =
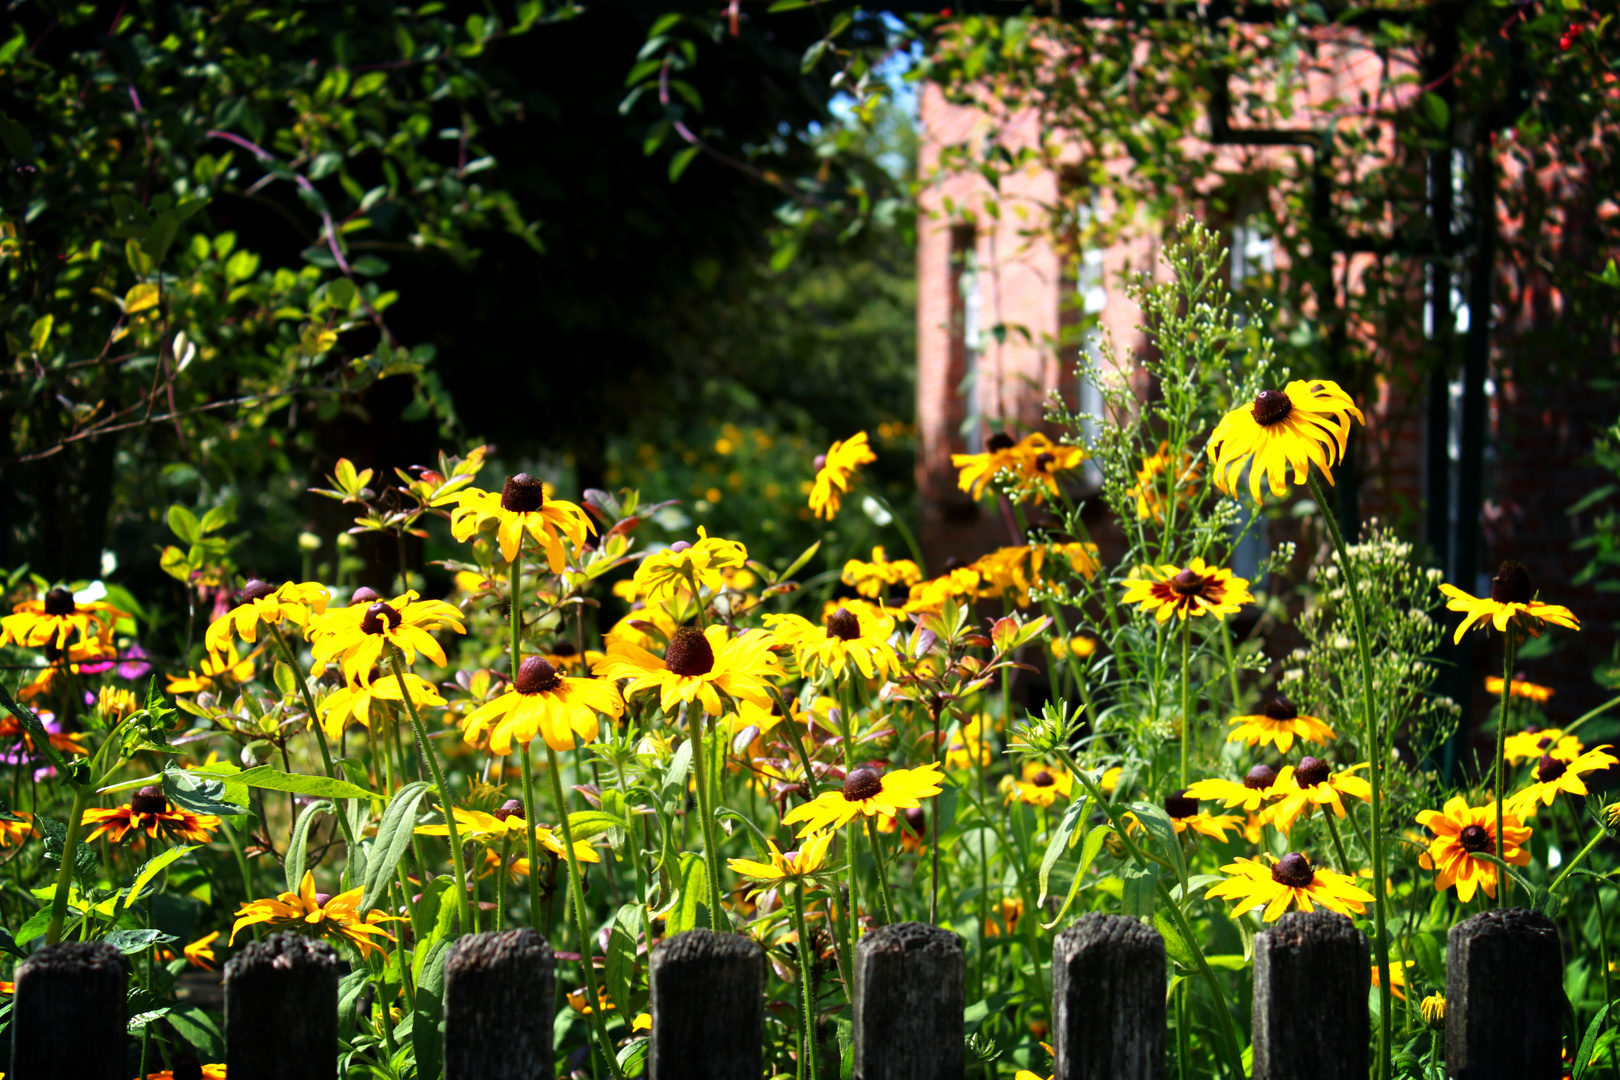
(1504, 997)
(1108, 979)
(1311, 974)
(908, 1004)
(281, 1010)
(71, 1013)
(708, 1007)
(498, 1006)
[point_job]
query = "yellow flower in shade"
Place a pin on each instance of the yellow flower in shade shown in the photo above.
(1397, 977)
(1034, 459)
(1433, 1011)
(868, 792)
(1304, 422)
(1279, 723)
(977, 470)
(643, 1022)
(854, 636)
(1080, 647)
(698, 665)
(1184, 814)
(967, 748)
(270, 605)
(1199, 589)
(116, 704)
(200, 953)
(834, 471)
(11, 733)
(1554, 775)
(218, 669)
(646, 627)
(1531, 743)
(1520, 688)
(807, 860)
(75, 655)
(319, 915)
(1042, 785)
(1313, 784)
(1289, 881)
(522, 506)
(565, 656)
(351, 703)
(1041, 460)
(50, 620)
(665, 574)
(1512, 601)
(874, 579)
(207, 1072)
(1004, 919)
(541, 701)
(1156, 477)
(1025, 1074)
(16, 833)
(928, 597)
(1460, 833)
(506, 823)
(362, 632)
(576, 1001)
(1255, 789)
(149, 812)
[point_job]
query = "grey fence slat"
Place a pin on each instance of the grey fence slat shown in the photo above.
(1504, 997)
(70, 1014)
(1108, 979)
(708, 1007)
(281, 1010)
(498, 1007)
(908, 1004)
(1311, 975)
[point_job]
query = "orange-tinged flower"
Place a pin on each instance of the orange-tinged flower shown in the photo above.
(51, 619)
(200, 953)
(149, 812)
(1184, 815)
(1042, 785)
(1520, 688)
(1199, 589)
(218, 670)
(16, 833)
(1460, 833)
(1531, 743)
(835, 471)
(522, 506)
(319, 915)
(506, 823)
(1397, 977)
(1156, 477)
(930, 596)
(677, 569)
(1004, 918)
(807, 860)
(1555, 774)
(1512, 602)
(1313, 783)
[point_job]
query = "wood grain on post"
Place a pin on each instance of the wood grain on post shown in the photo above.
(1108, 1000)
(71, 1013)
(498, 1007)
(1504, 997)
(1311, 975)
(908, 1004)
(708, 1007)
(281, 1010)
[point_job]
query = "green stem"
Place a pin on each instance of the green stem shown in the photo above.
(1231, 668)
(806, 984)
(530, 844)
(500, 879)
(883, 877)
(315, 726)
(1593, 714)
(711, 847)
(1576, 861)
(1338, 845)
(1509, 643)
(70, 851)
(1186, 698)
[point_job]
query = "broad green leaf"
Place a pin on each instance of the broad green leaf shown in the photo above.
(1088, 852)
(588, 824)
(1138, 898)
(621, 954)
(141, 297)
(153, 868)
(1060, 839)
(135, 942)
(1594, 1031)
(182, 522)
(693, 896)
(393, 838)
(1163, 830)
(198, 1027)
(298, 846)
(324, 787)
(205, 794)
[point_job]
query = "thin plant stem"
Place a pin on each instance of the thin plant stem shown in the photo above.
(1186, 698)
(806, 986)
(1338, 845)
(1509, 647)
(70, 851)
(711, 847)
(933, 826)
(1597, 898)
(882, 875)
(531, 846)
(500, 879)
(315, 726)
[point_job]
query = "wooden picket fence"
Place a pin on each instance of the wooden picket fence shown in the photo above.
(1310, 1018)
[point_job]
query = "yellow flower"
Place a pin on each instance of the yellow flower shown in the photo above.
(834, 470)
(867, 792)
(874, 579)
(264, 603)
(522, 506)
(1034, 459)
(319, 914)
(149, 812)
(1291, 880)
(1080, 646)
(977, 470)
(16, 833)
(1461, 832)
(663, 575)
(361, 632)
(200, 953)
(1532, 742)
(968, 748)
(1011, 909)
(217, 670)
(1313, 784)
(544, 702)
(855, 635)
(506, 823)
(1025, 1074)
(576, 1001)
(807, 860)
(1279, 723)
(1200, 589)
(1520, 688)
(637, 628)
(49, 621)
(1184, 814)
(1554, 775)
(1511, 602)
(1397, 977)
(351, 703)
(1155, 476)
(565, 656)
(698, 665)
(116, 704)
(1042, 785)
(1258, 787)
(75, 655)
(930, 596)
(1305, 422)
(643, 1022)
(209, 1072)
(1433, 1011)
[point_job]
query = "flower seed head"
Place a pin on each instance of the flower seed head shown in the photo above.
(523, 494)
(1044, 461)
(843, 624)
(511, 807)
(536, 676)
(379, 619)
(1177, 805)
(1186, 583)
(1271, 407)
(365, 594)
(1043, 779)
(1260, 777)
(689, 653)
(322, 898)
(1311, 771)
(564, 648)
(148, 800)
(1293, 870)
(59, 602)
(820, 462)
(1544, 742)
(1280, 708)
(256, 590)
(999, 441)
(186, 1068)
(1511, 585)
(862, 783)
(1474, 838)
(1549, 769)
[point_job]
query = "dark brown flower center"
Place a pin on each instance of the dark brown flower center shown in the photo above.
(1549, 769)
(689, 653)
(1293, 870)
(365, 594)
(862, 783)
(511, 807)
(1045, 460)
(379, 619)
(1271, 407)
(1177, 805)
(59, 602)
(999, 441)
(1260, 777)
(1544, 742)
(148, 800)
(564, 648)
(522, 494)
(1043, 779)
(1474, 838)
(1187, 583)
(1511, 585)
(843, 624)
(1280, 708)
(256, 590)
(186, 1068)
(1311, 771)
(536, 676)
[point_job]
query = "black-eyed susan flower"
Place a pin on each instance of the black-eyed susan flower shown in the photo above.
(361, 633)
(1156, 477)
(1042, 785)
(1256, 788)
(1004, 917)
(1287, 882)
(1397, 977)
(522, 506)
(16, 833)
(542, 701)
(12, 732)
(1461, 834)
(794, 865)
(1512, 602)
(506, 823)
(1531, 743)
(149, 812)
(1554, 775)
(866, 792)
(200, 953)
(1199, 589)
(1042, 460)
(698, 665)
(565, 656)
(975, 471)
(968, 748)
(1520, 688)
(352, 702)
(683, 566)
(1279, 724)
(1303, 423)
(1311, 784)
(218, 670)
(263, 604)
(1184, 814)
(319, 915)
(929, 597)
(874, 579)
(52, 619)
(912, 825)
(835, 472)
(853, 636)
(1433, 1011)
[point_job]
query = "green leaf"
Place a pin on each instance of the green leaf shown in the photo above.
(152, 869)
(427, 1018)
(393, 838)
(1140, 884)
(1088, 852)
(798, 564)
(159, 237)
(1162, 829)
(37, 734)
(621, 954)
(298, 846)
(1594, 1031)
(18, 143)
(35, 926)
(135, 942)
(1174, 947)
(199, 1028)
(1059, 841)
(588, 824)
(678, 163)
(199, 794)
(9, 944)
(756, 837)
(324, 787)
(183, 523)
(436, 912)
(813, 55)
(694, 890)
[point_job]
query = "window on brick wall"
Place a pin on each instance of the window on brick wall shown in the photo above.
(967, 333)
